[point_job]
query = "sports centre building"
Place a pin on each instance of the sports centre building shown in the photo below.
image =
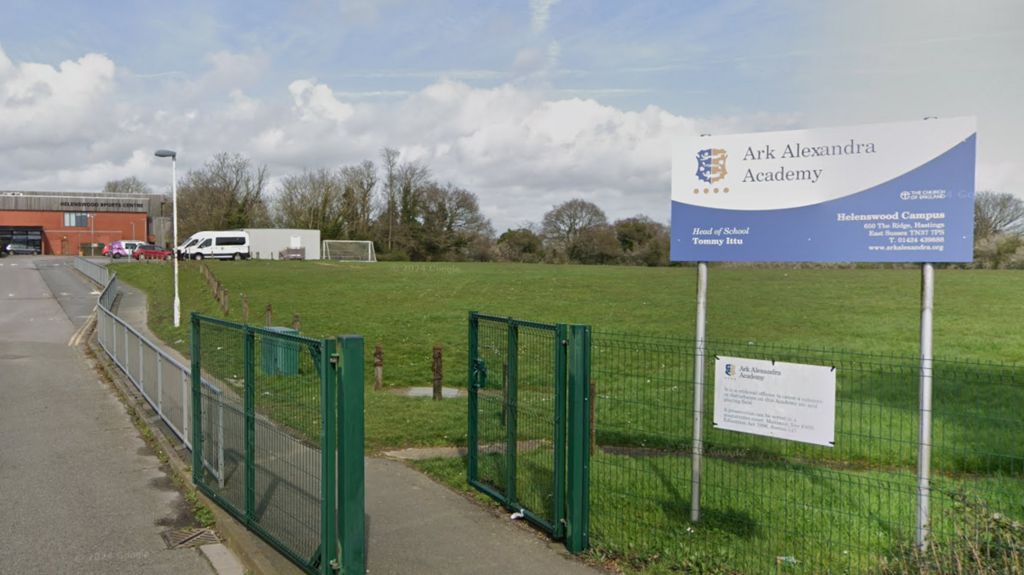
(64, 223)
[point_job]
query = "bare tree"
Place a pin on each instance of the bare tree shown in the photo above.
(360, 181)
(566, 221)
(997, 213)
(227, 193)
(389, 162)
(129, 185)
(312, 200)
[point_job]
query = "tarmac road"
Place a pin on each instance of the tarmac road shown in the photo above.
(80, 492)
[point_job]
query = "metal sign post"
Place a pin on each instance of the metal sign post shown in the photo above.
(924, 446)
(698, 390)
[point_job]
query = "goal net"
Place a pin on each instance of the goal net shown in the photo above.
(348, 251)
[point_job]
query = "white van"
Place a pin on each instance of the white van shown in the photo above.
(225, 245)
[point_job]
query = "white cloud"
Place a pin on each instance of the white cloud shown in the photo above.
(41, 105)
(521, 150)
(314, 102)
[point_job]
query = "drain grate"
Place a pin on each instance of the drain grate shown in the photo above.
(183, 538)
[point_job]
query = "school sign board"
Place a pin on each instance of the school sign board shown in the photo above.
(901, 192)
(777, 399)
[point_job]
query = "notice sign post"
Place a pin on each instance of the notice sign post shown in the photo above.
(901, 192)
(776, 399)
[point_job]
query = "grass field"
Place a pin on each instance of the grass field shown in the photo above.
(763, 494)
(410, 307)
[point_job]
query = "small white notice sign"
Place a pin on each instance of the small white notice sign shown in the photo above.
(785, 400)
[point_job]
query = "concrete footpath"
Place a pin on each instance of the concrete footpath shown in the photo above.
(80, 492)
(415, 525)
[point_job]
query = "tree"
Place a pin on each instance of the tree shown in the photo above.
(997, 213)
(125, 186)
(312, 200)
(389, 212)
(520, 245)
(227, 193)
(412, 178)
(643, 241)
(566, 221)
(595, 244)
(451, 225)
(360, 181)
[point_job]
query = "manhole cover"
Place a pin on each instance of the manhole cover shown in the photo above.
(182, 538)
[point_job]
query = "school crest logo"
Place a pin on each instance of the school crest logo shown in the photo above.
(711, 165)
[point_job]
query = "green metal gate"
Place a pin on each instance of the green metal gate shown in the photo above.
(287, 433)
(529, 421)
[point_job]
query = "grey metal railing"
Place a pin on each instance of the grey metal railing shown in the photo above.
(162, 380)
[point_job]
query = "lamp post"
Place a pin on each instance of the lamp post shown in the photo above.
(174, 218)
(92, 234)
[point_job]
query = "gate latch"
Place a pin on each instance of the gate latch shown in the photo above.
(479, 373)
(334, 359)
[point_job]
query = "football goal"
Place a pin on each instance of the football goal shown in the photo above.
(348, 251)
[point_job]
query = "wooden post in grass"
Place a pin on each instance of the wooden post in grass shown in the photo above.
(593, 428)
(438, 372)
(378, 367)
(245, 308)
(226, 303)
(268, 315)
(296, 323)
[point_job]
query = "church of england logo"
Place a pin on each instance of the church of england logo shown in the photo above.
(711, 165)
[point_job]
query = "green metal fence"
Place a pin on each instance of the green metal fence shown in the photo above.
(527, 397)
(767, 505)
(289, 423)
(775, 506)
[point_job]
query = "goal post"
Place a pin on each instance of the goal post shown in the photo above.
(348, 251)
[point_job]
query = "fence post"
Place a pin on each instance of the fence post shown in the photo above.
(329, 383)
(159, 383)
(511, 431)
(378, 367)
(351, 472)
(561, 389)
(250, 427)
(578, 519)
(471, 421)
(197, 430)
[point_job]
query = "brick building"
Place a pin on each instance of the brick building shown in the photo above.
(69, 223)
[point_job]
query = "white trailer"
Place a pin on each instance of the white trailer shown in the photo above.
(275, 243)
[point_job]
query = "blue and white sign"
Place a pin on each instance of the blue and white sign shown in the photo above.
(899, 192)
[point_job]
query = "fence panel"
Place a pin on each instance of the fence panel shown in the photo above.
(519, 416)
(276, 424)
(770, 505)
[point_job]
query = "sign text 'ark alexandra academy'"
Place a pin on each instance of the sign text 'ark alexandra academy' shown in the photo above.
(900, 192)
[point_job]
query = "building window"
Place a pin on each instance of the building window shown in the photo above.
(76, 220)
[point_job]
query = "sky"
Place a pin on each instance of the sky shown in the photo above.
(527, 103)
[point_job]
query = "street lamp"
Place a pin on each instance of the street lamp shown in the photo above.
(174, 217)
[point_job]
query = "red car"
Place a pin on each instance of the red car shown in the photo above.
(151, 252)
